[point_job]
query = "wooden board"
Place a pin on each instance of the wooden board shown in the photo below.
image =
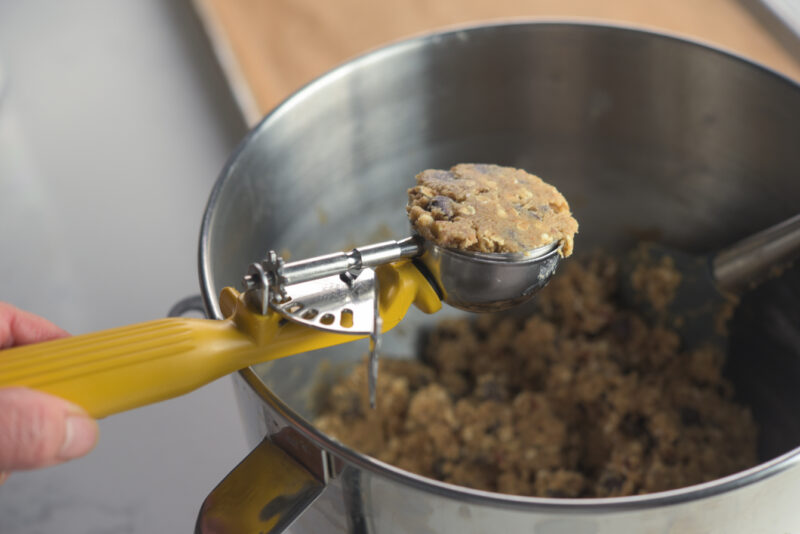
(270, 48)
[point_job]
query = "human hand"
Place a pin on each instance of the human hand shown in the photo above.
(37, 429)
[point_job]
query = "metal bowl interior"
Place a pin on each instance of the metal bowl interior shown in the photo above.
(645, 134)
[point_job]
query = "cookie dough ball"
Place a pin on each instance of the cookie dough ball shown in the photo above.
(488, 208)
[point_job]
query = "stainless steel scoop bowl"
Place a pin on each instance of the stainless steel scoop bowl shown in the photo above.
(481, 282)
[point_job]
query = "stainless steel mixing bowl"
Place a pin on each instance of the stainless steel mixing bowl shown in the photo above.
(645, 134)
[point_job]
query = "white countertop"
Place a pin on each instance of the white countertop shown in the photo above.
(114, 126)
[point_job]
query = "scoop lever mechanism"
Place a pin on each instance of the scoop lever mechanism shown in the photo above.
(336, 292)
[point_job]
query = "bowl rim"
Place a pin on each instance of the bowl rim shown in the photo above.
(695, 492)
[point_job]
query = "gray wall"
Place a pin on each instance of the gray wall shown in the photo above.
(113, 127)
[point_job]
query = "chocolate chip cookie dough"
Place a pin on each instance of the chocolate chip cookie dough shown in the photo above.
(655, 281)
(488, 208)
(582, 399)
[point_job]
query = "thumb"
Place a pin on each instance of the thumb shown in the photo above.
(38, 429)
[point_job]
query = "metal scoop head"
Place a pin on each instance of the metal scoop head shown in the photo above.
(472, 281)
(481, 282)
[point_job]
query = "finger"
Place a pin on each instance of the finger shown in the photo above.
(37, 430)
(19, 327)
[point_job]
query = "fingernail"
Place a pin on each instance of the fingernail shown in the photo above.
(79, 438)
(73, 409)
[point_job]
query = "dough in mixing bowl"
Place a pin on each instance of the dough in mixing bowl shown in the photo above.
(488, 208)
(584, 398)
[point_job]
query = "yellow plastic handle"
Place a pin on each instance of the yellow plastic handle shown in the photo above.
(123, 368)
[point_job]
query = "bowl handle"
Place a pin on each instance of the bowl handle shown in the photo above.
(265, 493)
(193, 303)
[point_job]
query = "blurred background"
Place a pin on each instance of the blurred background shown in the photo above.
(114, 124)
(116, 117)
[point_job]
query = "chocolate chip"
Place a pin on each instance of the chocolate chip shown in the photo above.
(438, 468)
(633, 425)
(690, 416)
(621, 327)
(488, 387)
(611, 481)
(535, 215)
(442, 205)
